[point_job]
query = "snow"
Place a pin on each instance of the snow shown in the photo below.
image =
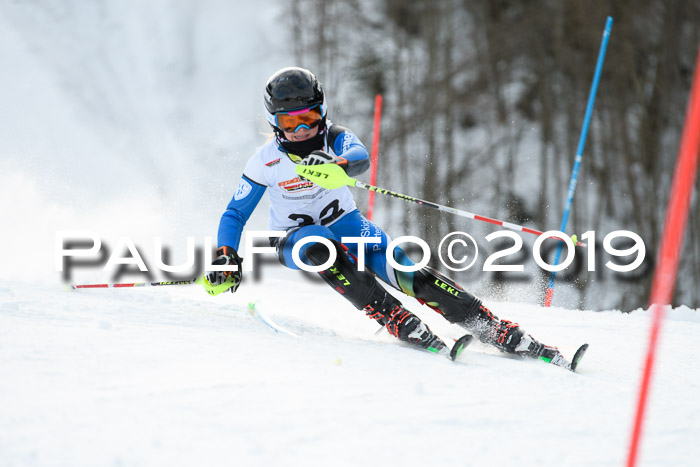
(171, 376)
(114, 122)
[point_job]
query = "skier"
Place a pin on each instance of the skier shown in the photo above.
(296, 110)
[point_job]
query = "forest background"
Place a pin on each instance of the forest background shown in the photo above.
(483, 107)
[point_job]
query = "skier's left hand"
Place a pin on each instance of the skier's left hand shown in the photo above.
(320, 157)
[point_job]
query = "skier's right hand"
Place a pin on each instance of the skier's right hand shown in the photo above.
(220, 281)
(321, 157)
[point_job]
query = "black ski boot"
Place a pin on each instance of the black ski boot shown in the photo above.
(403, 324)
(363, 290)
(460, 307)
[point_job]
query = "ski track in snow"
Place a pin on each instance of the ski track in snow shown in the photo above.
(171, 376)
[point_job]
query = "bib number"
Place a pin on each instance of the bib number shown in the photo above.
(328, 214)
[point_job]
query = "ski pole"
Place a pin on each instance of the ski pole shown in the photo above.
(252, 310)
(132, 284)
(579, 153)
(331, 176)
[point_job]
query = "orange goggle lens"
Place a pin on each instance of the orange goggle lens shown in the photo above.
(291, 122)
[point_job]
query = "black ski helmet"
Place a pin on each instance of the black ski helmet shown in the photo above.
(290, 89)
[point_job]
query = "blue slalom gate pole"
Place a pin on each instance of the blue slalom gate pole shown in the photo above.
(579, 154)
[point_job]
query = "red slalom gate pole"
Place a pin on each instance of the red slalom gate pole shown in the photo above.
(671, 242)
(375, 153)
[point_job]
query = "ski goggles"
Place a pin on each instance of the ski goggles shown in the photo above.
(294, 120)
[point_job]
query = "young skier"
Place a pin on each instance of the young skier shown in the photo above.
(296, 111)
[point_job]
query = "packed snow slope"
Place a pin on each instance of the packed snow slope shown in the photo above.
(136, 119)
(172, 376)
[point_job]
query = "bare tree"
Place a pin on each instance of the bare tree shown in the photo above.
(484, 102)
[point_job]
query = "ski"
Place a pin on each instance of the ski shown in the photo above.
(460, 345)
(577, 356)
(555, 358)
(264, 319)
(439, 347)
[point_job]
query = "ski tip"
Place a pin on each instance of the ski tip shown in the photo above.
(577, 356)
(460, 345)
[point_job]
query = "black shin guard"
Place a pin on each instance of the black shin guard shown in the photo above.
(445, 296)
(460, 307)
(365, 293)
(359, 287)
